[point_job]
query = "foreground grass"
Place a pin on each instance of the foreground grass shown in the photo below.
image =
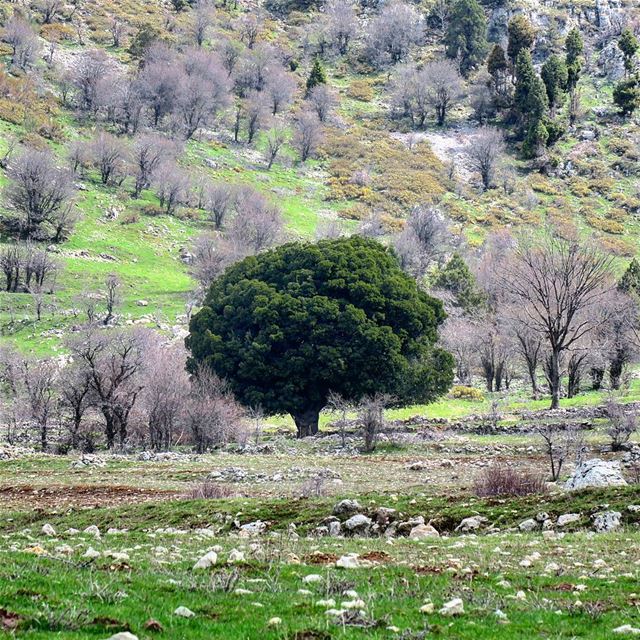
(51, 591)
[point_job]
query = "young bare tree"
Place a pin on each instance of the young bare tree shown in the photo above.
(171, 185)
(323, 101)
(23, 41)
(94, 76)
(158, 83)
(340, 24)
(424, 240)
(113, 361)
(203, 91)
(166, 388)
(444, 87)
(147, 155)
(202, 20)
(219, 198)
(257, 224)
(275, 139)
(371, 417)
(485, 152)
(558, 285)
(49, 9)
(212, 414)
(560, 446)
(280, 88)
(76, 398)
(112, 299)
(38, 193)
(249, 27)
(109, 155)
(308, 134)
(212, 254)
(393, 31)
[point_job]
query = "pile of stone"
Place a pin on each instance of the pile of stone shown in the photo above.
(349, 518)
(293, 474)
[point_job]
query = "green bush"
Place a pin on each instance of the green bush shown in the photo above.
(461, 392)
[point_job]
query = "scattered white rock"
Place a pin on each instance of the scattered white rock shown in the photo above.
(48, 530)
(606, 521)
(423, 531)
(427, 607)
(596, 473)
(330, 602)
(349, 561)
(184, 612)
(123, 635)
(529, 525)
(567, 518)
(92, 530)
(91, 554)
(358, 524)
(207, 561)
(346, 508)
(274, 622)
(627, 629)
(471, 524)
(312, 578)
(235, 556)
(252, 529)
(454, 607)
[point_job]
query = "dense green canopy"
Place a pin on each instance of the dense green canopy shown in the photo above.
(287, 327)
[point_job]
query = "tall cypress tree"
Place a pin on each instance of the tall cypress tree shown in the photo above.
(317, 75)
(573, 47)
(466, 37)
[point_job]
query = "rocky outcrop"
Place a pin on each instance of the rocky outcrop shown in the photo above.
(596, 473)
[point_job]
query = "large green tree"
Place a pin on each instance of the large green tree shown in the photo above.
(574, 46)
(521, 36)
(466, 38)
(289, 326)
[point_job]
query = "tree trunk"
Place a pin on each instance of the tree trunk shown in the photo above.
(307, 422)
(554, 380)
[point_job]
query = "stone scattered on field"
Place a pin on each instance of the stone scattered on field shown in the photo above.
(349, 561)
(454, 607)
(207, 560)
(606, 521)
(184, 612)
(274, 622)
(423, 531)
(235, 556)
(471, 524)
(418, 465)
(330, 602)
(427, 607)
(312, 578)
(334, 528)
(123, 635)
(353, 604)
(92, 530)
(567, 518)
(91, 554)
(634, 508)
(252, 529)
(48, 530)
(627, 629)
(596, 473)
(358, 524)
(346, 508)
(529, 525)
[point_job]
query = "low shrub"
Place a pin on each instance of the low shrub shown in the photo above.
(504, 481)
(207, 490)
(461, 392)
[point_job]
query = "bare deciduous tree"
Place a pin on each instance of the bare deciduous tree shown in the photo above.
(109, 156)
(558, 286)
(323, 101)
(257, 224)
(219, 201)
(341, 24)
(171, 185)
(202, 20)
(280, 87)
(485, 151)
(393, 31)
(112, 300)
(39, 193)
(148, 153)
(212, 414)
(308, 134)
(275, 139)
(113, 361)
(23, 41)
